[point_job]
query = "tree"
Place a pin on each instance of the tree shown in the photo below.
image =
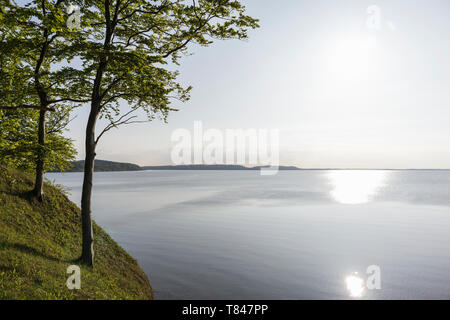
(34, 47)
(138, 41)
(18, 141)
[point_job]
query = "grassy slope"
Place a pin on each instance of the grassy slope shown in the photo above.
(38, 241)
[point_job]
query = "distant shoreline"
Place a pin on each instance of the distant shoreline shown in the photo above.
(112, 166)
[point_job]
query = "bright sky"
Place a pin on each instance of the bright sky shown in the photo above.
(340, 94)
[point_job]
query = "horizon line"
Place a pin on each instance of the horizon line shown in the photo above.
(258, 166)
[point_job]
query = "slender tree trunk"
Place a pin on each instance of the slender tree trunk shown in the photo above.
(39, 180)
(87, 255)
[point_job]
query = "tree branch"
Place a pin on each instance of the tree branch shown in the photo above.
(69, 99)
(26, 106)
(118, 122)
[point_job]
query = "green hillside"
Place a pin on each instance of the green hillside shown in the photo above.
(38, 241)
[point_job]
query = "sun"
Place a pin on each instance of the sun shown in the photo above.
(351, 57)
(347, 58)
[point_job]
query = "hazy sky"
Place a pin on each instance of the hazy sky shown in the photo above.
(341, 94)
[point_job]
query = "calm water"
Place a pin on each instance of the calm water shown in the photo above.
(295, 235)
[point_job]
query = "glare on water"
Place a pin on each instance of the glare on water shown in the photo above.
(355, 286)
(356, 186)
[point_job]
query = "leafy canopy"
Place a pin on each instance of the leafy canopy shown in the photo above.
(135, 47)
(19, 147)
(36, 74)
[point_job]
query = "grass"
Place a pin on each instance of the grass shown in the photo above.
(38, 241)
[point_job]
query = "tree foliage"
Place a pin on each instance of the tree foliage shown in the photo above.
(135, 46)
(18, 141)
(36, 55)
(36, 76)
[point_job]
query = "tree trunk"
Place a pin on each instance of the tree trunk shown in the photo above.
(39, 180)
(87, 255)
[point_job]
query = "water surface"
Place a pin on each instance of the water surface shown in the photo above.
(294, 235)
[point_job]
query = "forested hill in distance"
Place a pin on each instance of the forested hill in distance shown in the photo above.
(104, 166)
(213, 167)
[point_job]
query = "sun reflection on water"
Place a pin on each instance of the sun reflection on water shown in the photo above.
(356, 186)
(355, 286)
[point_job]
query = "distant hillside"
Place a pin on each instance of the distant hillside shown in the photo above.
(212, 167)
(197, 167)
(103, 165)
(279, 168)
